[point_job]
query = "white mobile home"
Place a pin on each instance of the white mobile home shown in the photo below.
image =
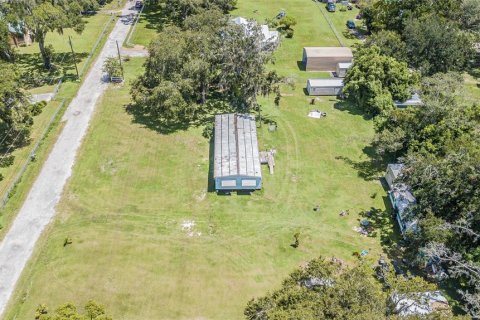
(324, 87)
(403, 201)
(236, 156)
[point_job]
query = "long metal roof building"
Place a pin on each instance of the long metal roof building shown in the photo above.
(325, 58)
(236, 156)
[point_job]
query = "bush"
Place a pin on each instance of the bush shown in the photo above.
(6, 161)
(208, 131)
(112, 67)
(37, 108)
(289, 33)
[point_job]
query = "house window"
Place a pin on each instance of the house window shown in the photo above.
(229, 183)
(249, 183)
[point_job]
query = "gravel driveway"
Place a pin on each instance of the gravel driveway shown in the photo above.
(39, 207)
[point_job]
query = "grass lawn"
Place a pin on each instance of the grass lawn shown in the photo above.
(30, 59)
(147, 26)
(67, 91)
(132, 189)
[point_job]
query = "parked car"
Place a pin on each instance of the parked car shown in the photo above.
(138, 5)
(331, 7)
(350, 24)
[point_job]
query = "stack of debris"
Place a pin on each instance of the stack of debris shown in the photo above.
(268, 157)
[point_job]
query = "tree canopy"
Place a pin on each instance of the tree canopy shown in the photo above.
(437, 45)
(207, 63)
(43, 16)
(431, 36)
(68, 311)
(177, 11)
(375, 80)
(15, 107)
(327, 289)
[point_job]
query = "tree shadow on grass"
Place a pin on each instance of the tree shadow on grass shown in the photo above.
(155, 19)
(34, 74)
(371, 169)
(160, 125)
(383, 226)
(351, 108)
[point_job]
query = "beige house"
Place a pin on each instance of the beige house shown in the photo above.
(19, 36)
(325, 58)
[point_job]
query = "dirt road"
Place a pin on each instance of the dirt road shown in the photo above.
(39, 207)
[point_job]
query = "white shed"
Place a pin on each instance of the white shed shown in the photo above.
(324, 87)
(342, 68)
(414, 101)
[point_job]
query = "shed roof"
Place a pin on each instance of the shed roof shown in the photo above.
(236, 146)
(333, 83)
(324, 52)
(344, 65)
(395, 168)
(415, 100)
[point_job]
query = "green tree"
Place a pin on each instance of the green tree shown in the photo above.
(470, 18)
(112, 67)
(6, 51)
(390, 44)
(394, 15)
(375, 80)
(437, 45)
(286, 25)
(441, 124)
(43, 16)
(68, 311)
(447, 186)
(15, 107)
(177, 11)
(195, 71)
(325, 289)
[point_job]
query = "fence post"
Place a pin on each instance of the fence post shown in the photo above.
(30, 157)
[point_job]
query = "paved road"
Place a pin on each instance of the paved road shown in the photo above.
(39, 207)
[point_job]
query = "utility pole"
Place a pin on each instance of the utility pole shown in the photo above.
(74, 59)
(119, 58)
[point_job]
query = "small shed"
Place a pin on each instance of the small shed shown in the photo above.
(236, 156)
(325, 58)
(394, 170)
(402, 201)
(324, 87)
(414, 101)
(342, 68)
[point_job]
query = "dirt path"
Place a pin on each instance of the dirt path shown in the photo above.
(39, 207)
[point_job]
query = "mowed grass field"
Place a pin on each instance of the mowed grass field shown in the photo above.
(133, 191)
(29, 59)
